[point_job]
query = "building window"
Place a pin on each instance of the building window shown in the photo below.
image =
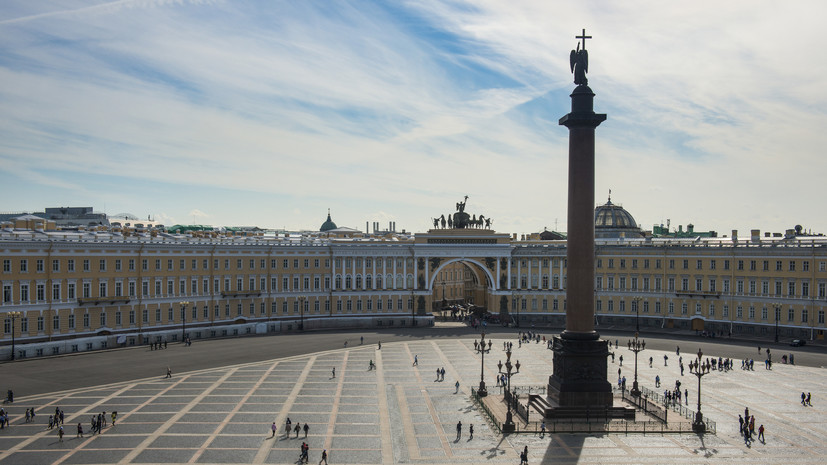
(791, 315)
(792, 265)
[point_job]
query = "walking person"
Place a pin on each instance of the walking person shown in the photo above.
(324, 457)
(808, 400)
(471, 432)
(274, 428)
(456, 386)
(169, 373)
(306, 429)
(333, 371)
(761, 434)
(287, 427)
(60, 433)
(459, 430)
(80, 431)
(297, 429)
(416, 360)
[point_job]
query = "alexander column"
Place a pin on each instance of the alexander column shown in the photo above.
(579, 377)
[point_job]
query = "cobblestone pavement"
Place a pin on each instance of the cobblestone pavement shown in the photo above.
(401, 413)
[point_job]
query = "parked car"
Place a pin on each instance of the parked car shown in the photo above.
(798, 342)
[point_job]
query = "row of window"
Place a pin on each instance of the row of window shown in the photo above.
(103, 264)
(684, 310)
(635, 283)
(713, 263)
(349, 305)
(298, 283)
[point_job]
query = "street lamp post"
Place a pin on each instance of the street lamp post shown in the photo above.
(699, 369)
(13, 316)
(777, 314)
(636, 346)
(301, 312)
(184, 305)
(509, 426)
(482, 391)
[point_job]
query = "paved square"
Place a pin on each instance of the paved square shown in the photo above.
(401, 413)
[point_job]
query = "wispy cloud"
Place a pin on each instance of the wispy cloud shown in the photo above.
(271, 112)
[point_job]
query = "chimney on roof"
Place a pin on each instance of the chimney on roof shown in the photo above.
(755, 235)
(734, 235)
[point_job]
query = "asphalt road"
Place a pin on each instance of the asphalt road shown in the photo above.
(89, 369)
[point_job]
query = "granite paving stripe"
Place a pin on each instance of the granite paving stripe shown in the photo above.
(281, 418)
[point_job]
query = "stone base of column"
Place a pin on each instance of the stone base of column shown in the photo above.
(580, 371)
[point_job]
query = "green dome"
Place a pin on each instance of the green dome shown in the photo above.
(328, 225)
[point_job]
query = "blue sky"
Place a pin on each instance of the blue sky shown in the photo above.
(270, 112)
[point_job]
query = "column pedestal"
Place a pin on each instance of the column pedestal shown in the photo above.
(579, 376)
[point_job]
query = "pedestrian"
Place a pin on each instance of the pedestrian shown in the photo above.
(525, 449)
(165, 343)
(761, 434)
(297, 429)
(324, 457)
(657, 381)
(459, 430)
(686, 395)
(80, 431)
(803, 399)
(345, 343)
(741, 424)
(442, 372)
(650, 362)
(333, 371)
(456, 386)
(60, 433)
(380, 345)
(169, 372)
(301, 453)
(471, 432)
(114, 417)
(306, 429)
(808, 400)
(678, 350)
(543, 429)
(51, 421)
(287, 427)
(665, 358)
(361, 340)
(416, 360)
(274, 428)
(621, 360)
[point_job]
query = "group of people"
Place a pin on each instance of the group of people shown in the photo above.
(746, 425)
(158, 345)
(470, 431)
(805, 400)
(304, 456)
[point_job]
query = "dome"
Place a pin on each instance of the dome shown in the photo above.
(328, 225)
(611, 220)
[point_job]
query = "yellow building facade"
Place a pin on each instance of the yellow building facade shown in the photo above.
(102, 289)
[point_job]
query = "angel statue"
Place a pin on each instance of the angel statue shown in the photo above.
(580, 65)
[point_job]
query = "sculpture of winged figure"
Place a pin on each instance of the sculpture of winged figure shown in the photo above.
(580, 65)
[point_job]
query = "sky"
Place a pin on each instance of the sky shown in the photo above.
(269, 113)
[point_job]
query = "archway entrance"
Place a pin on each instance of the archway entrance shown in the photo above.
(461, 286)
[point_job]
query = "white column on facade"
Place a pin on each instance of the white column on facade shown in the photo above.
(519, 274)
(497, 276)
(427, 268)
(333, 272)
(405, 272)
(364, 273)
(353, 281)
(395, 284)
(508, 279)
(550, 273)
(373, 279)
(561, 273)
(530, 265)
(415, 273)
(384, 272)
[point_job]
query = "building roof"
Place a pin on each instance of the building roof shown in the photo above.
(328, 225)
